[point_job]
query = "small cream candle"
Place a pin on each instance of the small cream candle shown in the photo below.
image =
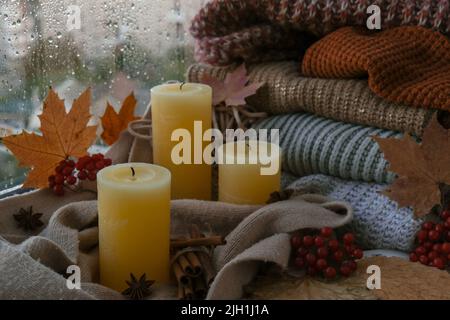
(134, 223)
(177, 106)
(247, 173)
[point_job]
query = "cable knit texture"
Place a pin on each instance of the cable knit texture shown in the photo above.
(408, 65)
(347, 100)
(312, 144)
(253, 30)
(377, 221)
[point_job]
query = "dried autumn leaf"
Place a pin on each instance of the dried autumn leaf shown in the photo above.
(405, 280)
(234, 89)
(287, 287)
(63, 135)
(114, 123)
(421, 168)
(400, 280)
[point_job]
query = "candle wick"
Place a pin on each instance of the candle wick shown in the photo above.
(181, 85)
(132, 171)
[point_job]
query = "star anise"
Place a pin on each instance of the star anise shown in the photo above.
(280, 196)
(28, 220)
(138, 289)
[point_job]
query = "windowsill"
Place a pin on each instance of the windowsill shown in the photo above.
(13, 191)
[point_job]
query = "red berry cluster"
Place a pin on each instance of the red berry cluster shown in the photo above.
(69, 172)
(433, 243)
(321, 253)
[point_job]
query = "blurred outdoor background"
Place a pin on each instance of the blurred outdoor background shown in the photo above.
(119, 46)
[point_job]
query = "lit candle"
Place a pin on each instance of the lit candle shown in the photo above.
(177, 106)
(134, 223)
(248, 171)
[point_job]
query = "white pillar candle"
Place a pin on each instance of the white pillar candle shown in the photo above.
(134, 223)
(178, 106)
(247, 174)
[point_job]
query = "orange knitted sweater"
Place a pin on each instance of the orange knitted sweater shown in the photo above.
(408, 65)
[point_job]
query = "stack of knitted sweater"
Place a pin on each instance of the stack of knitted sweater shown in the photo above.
(346, 85)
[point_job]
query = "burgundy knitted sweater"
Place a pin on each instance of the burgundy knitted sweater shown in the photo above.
(258, 30)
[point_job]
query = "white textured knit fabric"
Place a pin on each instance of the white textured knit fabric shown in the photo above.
(312, 144)
(377, 221)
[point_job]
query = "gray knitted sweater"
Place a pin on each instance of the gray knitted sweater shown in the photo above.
(312, 144)
(377, 223)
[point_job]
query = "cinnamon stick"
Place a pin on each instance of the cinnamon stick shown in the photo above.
(199, 288)
(195, 263)
(208, 241)
(188, 291)
(194, 269)
(185, 265)
(181, 277)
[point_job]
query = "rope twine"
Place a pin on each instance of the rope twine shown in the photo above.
(141, 129)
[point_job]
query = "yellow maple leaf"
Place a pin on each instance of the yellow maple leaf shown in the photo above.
(114, 123)
(422, 168)
(63, 135)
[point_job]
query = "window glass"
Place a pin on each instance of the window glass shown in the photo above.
(113, 46)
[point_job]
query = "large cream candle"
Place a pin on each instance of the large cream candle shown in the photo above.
(248, 171)
(176, 106)
(134, 223)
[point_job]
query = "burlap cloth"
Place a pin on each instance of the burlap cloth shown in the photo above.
(347, 100)
(33, 265)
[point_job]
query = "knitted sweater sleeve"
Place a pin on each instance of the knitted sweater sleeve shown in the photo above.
(221, 17)
(230, 30)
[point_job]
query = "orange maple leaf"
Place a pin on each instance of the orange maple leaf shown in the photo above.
(63, 135)
(422, 168)
(114, 123)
